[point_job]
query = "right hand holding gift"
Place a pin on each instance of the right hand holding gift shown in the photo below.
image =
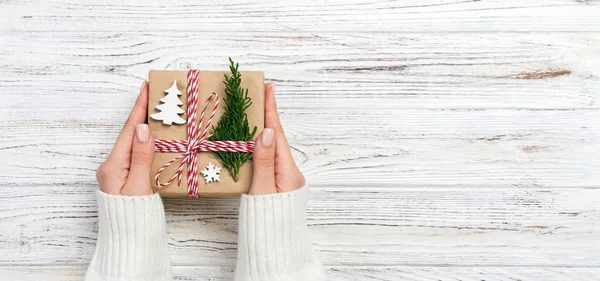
(274, 167)
(273, 240)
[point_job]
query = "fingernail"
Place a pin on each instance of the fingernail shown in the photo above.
(142, 132)
(266, 138)
(143, 84)
(273, 86)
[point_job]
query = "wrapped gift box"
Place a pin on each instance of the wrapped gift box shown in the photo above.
(208, 82)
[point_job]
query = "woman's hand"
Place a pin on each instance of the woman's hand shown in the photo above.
(274, 167)
(127, 169)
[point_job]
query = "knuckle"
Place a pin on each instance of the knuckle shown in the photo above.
(141, 157)
(265, 164)
(264, 160)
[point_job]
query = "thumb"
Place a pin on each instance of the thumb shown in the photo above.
(142, 153)
(263, 159)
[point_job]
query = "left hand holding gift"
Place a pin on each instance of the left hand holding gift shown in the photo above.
(127, 169)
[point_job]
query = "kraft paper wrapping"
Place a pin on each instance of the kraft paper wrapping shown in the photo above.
(208, 82)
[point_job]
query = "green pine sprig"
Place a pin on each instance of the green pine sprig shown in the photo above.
(233, 124)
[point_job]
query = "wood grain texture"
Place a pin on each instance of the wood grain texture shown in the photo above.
(336, 273)
(310, 16)
(349, 226)
(465, 97)
(387, 147)
(347, 71)
(444, 115)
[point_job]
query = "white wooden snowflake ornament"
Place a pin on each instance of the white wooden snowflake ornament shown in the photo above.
(169, 109)
(211, 173)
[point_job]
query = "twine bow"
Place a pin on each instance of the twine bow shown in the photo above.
(195, 142)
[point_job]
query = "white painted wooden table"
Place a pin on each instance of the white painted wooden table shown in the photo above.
(445, 140)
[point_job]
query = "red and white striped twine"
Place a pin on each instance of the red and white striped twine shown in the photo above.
(195, 142)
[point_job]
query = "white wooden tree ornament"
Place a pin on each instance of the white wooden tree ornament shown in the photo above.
(169, 109)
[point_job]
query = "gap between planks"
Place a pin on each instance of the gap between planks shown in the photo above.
(392, 227)
(345, 273)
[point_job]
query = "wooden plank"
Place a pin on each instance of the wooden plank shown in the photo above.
(350, 226)
(97, 73)
(310, 16)
(349, 147)
(341, 273)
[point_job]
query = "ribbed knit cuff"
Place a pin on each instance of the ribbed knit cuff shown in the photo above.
(273, 242)
(132, 241)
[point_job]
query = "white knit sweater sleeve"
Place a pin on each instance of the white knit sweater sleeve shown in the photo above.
(132, 240)
(272, 243)
(273, 240)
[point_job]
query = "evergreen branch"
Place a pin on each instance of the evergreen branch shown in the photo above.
(233, 124)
